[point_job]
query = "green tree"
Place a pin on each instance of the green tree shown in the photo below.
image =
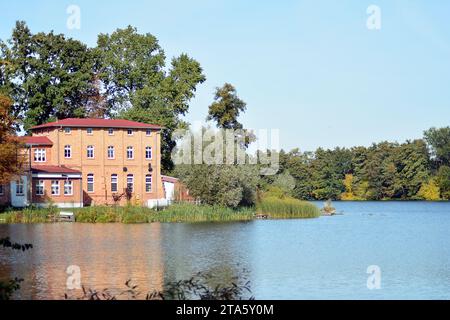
(443, 180)
(138, 87)
(439, 142)
(48, 77)
(225, 110)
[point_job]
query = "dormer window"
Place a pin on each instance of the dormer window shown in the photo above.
(90, 131)
(130, 132)
(67, 130)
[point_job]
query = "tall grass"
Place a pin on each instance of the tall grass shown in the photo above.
(133, 214)
(287, 208)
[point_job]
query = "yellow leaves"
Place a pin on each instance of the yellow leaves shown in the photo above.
(429, 191)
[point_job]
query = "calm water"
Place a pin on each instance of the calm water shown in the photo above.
(325, 258)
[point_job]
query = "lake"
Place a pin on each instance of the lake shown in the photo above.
(325, 258)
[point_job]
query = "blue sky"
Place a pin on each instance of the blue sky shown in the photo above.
(311, 69)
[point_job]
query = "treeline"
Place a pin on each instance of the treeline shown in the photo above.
(413, 170)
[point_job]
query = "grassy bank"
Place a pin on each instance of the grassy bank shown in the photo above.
(132, 214)
(274, 208)
(287, 208)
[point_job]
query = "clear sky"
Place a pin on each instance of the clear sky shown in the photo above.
(309, 68)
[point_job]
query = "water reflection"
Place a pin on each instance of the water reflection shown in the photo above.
(110, 254)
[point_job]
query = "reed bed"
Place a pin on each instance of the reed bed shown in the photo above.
(287, 208)
(133, 214)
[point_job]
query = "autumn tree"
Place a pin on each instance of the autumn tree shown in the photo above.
(10, 160)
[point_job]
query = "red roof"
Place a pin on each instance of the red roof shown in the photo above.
(52, 169)
(97, 123)
(37, 141)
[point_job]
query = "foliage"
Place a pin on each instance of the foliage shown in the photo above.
(8, 287)
(429, 191)
(49, 76)
(196, 288)
(439, 142)
(10, 159)
(382, 171)
(132, 69)
(443, 180)
(224, 185)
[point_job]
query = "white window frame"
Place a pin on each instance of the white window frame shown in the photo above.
(40, 155)
(148, 182)
(115, 181)
(68, 150)
(90, 131)
(90, 149)
(67, 130)
(130, 149)
(20, 191)
(40, 188)
(112, 149)
(90, 181)
(68, 185)
(130, 177)
(148, 150)
(55, 188)
(110, 131)
(130, 130)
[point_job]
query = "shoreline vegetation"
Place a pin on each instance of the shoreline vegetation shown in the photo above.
(177, 213)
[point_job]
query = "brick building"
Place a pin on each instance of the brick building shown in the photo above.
(78, 162)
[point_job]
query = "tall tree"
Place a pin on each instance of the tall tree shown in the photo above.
(439, 141)
(52, 76)
(225, 111)
(138, 87)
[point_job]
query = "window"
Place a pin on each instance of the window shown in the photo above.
(90, 182)
(67, 130)
(148, 183)
(148, 153)
(55, 187)
(130, 153)
(114, 180)
(39, 155)
(67, 151)
(130, 132)
(90, 152)
(19, 187)
(1, 190)
(148, 132)
(89, 131)
(68, 188)
(110, 152)
(111, 131)
(40, 188)
(130, 182)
